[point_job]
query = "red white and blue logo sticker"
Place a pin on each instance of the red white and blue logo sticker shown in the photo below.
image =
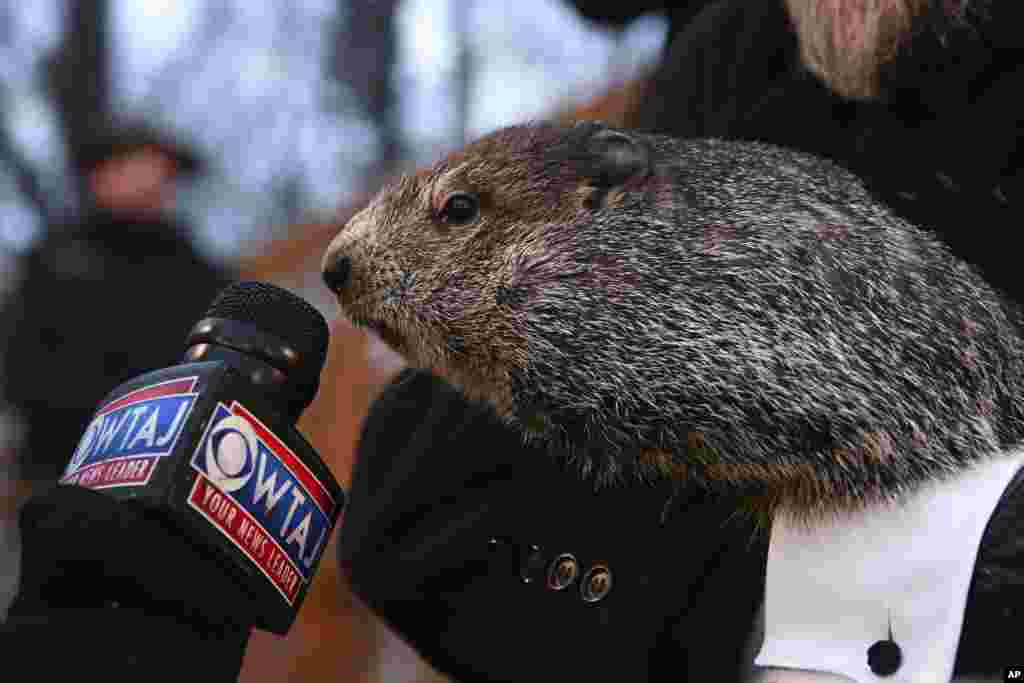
(127, 437)
(257, 492)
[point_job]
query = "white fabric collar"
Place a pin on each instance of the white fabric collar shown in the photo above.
(831, 592)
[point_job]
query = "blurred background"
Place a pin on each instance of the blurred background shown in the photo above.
(275, 119)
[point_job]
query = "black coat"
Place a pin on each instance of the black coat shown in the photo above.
(100, 302)
(436, 479)
(446, 509)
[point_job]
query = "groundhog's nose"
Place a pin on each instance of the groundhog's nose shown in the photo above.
(338, 272)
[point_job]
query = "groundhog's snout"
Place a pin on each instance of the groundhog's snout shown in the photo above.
(338, 266)
(343, 266)
(337, 271)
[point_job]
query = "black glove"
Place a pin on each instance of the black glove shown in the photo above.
(110, 589)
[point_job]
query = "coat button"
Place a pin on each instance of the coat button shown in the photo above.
(532, 564)
(596, 583)
(946, 181)
(562, 572)
(885, 657)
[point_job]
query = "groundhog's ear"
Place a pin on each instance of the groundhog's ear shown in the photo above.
(613, 157)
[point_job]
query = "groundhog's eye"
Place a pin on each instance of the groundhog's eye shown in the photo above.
(460, 208)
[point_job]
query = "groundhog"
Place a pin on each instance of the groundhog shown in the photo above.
(730, 313)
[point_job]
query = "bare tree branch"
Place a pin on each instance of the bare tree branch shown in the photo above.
(462, 79)
(363, 58)
(6, 23)
(78, 73)
(25, 177)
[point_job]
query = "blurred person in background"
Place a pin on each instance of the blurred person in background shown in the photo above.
(104, 299)
(481, 552)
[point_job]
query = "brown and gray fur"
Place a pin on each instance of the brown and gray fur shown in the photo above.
(731, 313)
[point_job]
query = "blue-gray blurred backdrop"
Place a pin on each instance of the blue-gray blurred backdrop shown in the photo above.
(297, 103)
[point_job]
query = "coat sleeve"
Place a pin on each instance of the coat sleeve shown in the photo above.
(109, 590)
(452, 525)
(118, 645)
(619, 14)
(990, 637)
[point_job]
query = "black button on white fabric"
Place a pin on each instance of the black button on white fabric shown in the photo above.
(884, 658)
(562, 572)
(532, 564)
(596, 583)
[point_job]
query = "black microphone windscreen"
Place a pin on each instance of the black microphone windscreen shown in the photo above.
(279, 312)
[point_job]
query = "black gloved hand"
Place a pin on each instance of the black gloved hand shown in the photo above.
(109, 588)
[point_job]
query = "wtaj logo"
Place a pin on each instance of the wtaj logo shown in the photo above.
(126, 437)
(258, 493)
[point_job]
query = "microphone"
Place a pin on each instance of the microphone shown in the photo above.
(210, 447)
